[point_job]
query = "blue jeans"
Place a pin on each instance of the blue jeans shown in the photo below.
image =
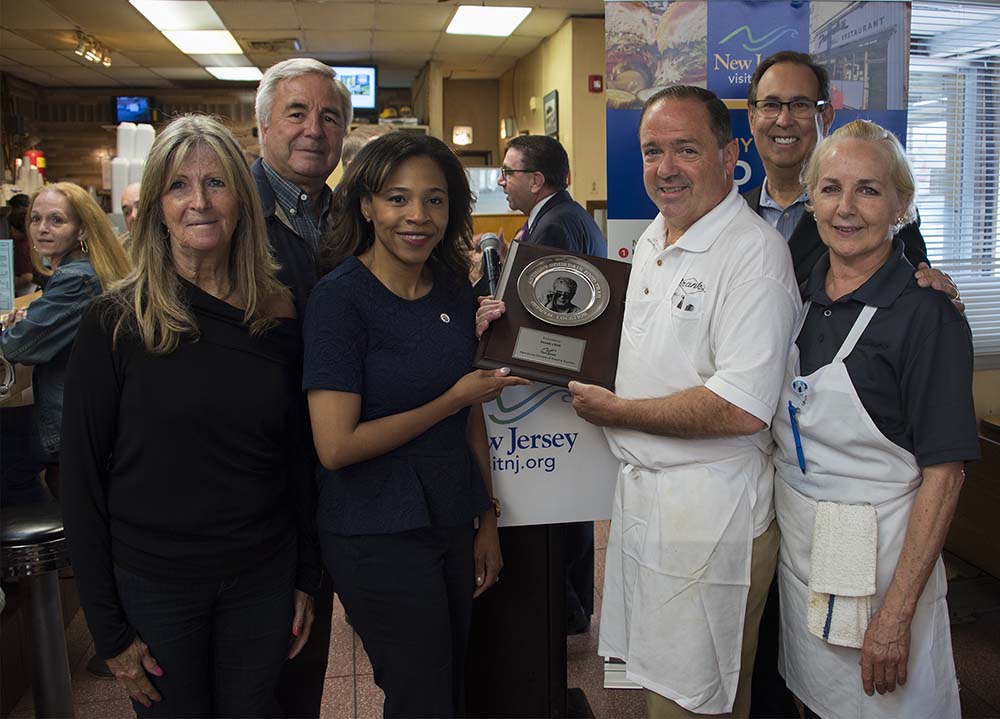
(221, 645)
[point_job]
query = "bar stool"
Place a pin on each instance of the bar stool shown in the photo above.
(34, 549)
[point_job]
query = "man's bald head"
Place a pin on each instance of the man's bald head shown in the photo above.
(130, 204)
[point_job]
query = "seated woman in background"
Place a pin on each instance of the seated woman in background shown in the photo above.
(874, 425)
(188, 468)
(69, 230)
(397, 421)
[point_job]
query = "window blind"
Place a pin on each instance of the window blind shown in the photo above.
(953, 140)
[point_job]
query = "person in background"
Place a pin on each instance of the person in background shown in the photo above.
(358, 138)
(24, 281)
(302, 112)
(130, 208)
(188, 486)
(534, 176)
(397, 420)
(72, 234)
(875, 421)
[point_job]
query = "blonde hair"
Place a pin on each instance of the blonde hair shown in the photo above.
(102, 246)
(900, 170)
(151, 296)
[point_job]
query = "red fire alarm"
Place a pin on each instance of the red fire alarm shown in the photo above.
(595, 83)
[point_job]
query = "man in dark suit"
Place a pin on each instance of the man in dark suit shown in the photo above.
(790, 111)
(534, 176)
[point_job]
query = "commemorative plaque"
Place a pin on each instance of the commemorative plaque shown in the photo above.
(563, 320)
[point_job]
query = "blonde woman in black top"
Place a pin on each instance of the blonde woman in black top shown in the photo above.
(188, 471)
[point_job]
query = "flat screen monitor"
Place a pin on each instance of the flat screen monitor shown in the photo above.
(133, 108)
(360, 80)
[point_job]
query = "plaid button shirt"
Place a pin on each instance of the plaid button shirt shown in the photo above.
(307, 224)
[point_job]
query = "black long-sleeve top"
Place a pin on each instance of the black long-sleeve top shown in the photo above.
(191, 466)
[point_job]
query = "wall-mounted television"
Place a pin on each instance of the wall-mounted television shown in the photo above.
(133, 108)
(361, 81)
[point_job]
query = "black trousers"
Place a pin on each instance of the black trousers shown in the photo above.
(299, 694)
(578, 556)
(409, 597)
(220, 644)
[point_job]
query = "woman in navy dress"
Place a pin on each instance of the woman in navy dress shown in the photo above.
(397, 423)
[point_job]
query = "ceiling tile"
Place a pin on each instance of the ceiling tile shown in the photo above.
(39, 77)
(473, 44)
(578, 7)
(39, 58)
(110, 16)
(319, 43)
(407, 59)
(131, 75)
(463, 60)
(36, 15)
(405, 41)
(241, 15)
(541, 23)
(339, 15)
(162, 59)
(12, 40)
(182, 73)
(85, 77)
(410, 17)
(146, 41)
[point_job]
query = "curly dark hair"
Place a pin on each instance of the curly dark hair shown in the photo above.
(351, 234)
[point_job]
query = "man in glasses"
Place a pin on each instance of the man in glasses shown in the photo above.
(790, 111)
(534, 177)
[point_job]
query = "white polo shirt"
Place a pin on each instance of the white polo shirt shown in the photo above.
(717, 308)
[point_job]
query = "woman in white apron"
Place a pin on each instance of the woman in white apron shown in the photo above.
(869, 455)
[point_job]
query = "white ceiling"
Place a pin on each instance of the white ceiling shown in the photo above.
(37, 39)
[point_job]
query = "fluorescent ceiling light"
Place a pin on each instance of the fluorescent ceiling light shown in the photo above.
(249, 74)
(204, 42)
(493, 21)
(179, 14)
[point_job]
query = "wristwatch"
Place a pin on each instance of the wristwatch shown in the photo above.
(496, 506)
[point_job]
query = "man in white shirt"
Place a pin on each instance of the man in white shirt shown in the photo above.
(710, 309)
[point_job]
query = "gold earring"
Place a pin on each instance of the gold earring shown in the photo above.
(83, 247)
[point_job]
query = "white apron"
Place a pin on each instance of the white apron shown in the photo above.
(678, 559)
(848, 460)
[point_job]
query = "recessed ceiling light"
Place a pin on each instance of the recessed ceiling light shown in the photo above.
(179, 14)
(248, 74)
(204, 42)
(493, 21)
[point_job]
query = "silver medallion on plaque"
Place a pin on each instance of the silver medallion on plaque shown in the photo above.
(563, 290)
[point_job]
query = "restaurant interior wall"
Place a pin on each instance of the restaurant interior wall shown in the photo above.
(473, 103)
(562, 62)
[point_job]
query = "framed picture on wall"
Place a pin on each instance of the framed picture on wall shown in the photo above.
(550, 107)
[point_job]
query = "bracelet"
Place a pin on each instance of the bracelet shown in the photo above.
(496, 506)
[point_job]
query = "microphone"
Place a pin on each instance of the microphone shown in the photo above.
(490, 245)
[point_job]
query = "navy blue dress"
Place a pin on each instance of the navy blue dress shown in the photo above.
(398, 355)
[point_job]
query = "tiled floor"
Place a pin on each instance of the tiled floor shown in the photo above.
(351, 693)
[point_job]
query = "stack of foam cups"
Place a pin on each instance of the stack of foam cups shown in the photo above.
(134, 142)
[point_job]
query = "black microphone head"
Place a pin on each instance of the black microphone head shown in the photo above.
(489, 241)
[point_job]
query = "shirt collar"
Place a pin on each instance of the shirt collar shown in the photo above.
(533, 215)
(701, 235)
(290, 195)
(879, 290)
(767, 201)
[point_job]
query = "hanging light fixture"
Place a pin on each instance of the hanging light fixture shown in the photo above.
(89, 48)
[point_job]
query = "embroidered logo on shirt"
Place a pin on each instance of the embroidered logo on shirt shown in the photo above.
(689, 295)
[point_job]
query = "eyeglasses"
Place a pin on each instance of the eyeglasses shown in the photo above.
(504, 171)
(802, 109)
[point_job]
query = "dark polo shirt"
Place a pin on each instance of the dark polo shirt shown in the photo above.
(912, 367)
